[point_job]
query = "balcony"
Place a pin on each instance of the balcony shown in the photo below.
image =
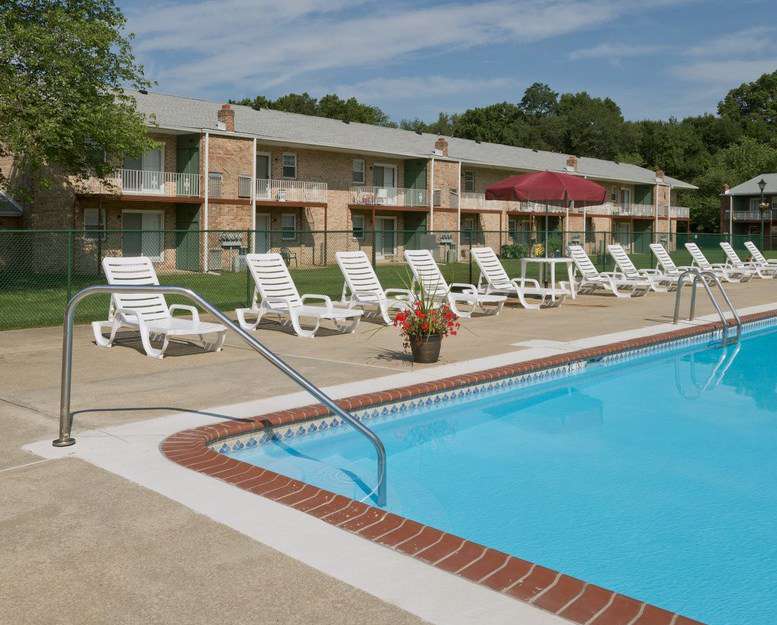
(478, 201)
(754, 215)
(140, 182)
(681, 212)
(389, 196)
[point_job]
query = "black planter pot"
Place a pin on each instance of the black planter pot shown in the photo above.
(425, 348)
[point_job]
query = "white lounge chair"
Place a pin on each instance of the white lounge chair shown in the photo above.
(658, 281)
(591, 279)
(148, 312)
(363, 289)
(427, 275)
(666, 264)
(752, 268)
(721, 270)
(494, 279)
(279, 297)
(759, 258)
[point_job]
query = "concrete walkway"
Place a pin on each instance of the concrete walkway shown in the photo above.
(84, 546)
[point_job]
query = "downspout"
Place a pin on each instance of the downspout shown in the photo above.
(655, 213)
(253, 198)
(458, 216)
(669, 213)
(730, 218)
(205, 206)
(431, 198)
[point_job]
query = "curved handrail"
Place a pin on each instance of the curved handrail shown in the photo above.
(66, 416)
(699, 276)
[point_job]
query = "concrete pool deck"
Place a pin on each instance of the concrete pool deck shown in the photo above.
(99, 548)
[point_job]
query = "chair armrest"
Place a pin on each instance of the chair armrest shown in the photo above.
(191, 309)
(651, 272)
(466, 288)
(406, 292)
(324, 298)
(521, 284)
(612, 274)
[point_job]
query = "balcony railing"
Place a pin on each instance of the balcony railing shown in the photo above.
(755, 215)
(681, 212)
(143, 182)
(389, 196)
(290, 190)
(478, 201)
(634, 210)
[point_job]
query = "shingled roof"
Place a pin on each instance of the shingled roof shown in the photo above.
(173, 112)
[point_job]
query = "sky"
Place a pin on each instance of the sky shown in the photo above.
(655, 58)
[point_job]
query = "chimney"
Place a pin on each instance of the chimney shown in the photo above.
(441, 147)
(659, 175)
(571, 163)
(726, 189)
(227, 117)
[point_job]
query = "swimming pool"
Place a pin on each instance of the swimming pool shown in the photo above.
(653, 475)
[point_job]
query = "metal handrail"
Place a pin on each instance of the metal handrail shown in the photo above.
(66, 416)
(699, 276)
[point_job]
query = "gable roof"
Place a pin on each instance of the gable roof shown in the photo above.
(751, 186)
(175, 112)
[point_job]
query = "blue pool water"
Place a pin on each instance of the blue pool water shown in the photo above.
(655, 477)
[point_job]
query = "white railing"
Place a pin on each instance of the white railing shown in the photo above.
(634, 210)
(478, 201)
(681, 212)
(290, 190)
(143, 182)
(389, 196)
(769, 215)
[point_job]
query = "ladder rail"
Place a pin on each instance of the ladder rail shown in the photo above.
(66, 416)
(700, 276)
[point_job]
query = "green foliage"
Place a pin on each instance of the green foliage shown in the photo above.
(331, 106)
(539, 100)
(753, 107)
(64, 66)
(514, 250)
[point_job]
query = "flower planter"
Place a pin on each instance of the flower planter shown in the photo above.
(425, 348)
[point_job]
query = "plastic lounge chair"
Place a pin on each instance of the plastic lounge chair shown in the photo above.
(363, 289)
(658, 281)
(427, 275)
(279, 297)
(494, 279)
(721, 270)
(148, 312)
(592, 280)
(753, 268)
(758, 258)
(666, 264)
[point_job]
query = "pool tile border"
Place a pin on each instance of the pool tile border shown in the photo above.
(552, 591)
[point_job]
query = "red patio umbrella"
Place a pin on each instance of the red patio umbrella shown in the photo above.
(547, 186)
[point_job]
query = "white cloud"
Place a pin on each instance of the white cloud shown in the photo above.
(725, 73)
(614, 51)
(754, 40)
(231, 42)
(420, 88)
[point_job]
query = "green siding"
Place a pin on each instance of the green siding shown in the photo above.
(643, 194)
(415, 174)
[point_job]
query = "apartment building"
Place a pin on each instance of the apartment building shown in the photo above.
(314, 184)
(741, 206)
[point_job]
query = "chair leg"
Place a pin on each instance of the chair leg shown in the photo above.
(150, 350)
(457, 311)
(347, 327)
(244, 323)
(294, 318)
(99, 339)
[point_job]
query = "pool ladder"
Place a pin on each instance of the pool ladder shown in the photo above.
(66, 416)
(705, 277)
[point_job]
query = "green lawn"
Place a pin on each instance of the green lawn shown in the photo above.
(34, 300)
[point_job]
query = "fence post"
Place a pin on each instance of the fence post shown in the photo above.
(469, 256)
(374, 246)
(248, 272)
(69, 261)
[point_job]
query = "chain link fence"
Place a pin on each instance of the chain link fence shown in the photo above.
(41, 270)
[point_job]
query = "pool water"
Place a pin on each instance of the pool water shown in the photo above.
(655, 477)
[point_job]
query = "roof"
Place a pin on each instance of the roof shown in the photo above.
(8, 206)
(175, 112)
(751, 186)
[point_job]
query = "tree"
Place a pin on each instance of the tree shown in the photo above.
(539, 100)
(594, 126)
(499, 123)
(331, 106)
(753, 106)
(64, 66)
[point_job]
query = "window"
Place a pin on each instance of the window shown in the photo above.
(289, 162)
(469, 181)
(143, 234)
(774, 202)
(288, 227)
(357, 172)
(215, 180)
(357, 225)
(94, 223)
(143, 174)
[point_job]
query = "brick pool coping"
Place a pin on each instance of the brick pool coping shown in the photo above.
(555, 592)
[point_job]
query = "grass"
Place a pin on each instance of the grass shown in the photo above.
(34, 300)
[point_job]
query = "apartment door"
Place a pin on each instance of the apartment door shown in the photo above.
(386, 237)
(384, 178)
(263, 243)
(143, 234)
(621, 233)
(187, 163)
(187, 238)
(468, 225)
(144, 174)
(263, 175)
(643, 236)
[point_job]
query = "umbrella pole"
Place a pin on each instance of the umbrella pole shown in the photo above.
(546, 229)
